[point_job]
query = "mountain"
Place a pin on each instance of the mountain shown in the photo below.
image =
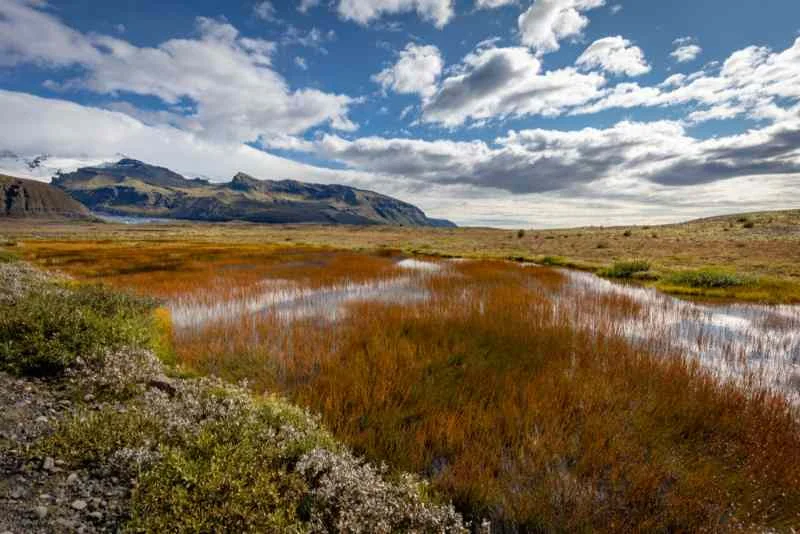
(28, 198)
(133, 188)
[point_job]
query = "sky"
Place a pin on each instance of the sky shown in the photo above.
(507, 113)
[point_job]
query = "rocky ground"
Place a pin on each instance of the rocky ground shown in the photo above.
(40, 494)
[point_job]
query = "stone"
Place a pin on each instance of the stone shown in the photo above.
(72, 479)
(88, 397)
(40, 511)
(79, 505)
(18, 492)
(49, 464)
(97, 516)
(42, 419)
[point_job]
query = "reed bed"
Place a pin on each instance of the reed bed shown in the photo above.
(542, 400)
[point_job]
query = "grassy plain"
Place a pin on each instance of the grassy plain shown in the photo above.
(761, 248)
(509, 408)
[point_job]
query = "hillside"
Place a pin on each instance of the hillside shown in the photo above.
(31, 199)
(131, 187)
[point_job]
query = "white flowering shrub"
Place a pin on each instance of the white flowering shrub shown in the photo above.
(352, 496)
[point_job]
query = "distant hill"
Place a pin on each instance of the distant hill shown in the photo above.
(31, 199)
(133, 188)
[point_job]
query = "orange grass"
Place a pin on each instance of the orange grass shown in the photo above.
(509, 408)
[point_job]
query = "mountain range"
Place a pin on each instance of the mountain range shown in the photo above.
(133, 188)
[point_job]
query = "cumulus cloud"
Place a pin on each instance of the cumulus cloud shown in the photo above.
(417, 70)
(536, 161)
(492, 4)
(754, 80)
(615, 55)
(438, 12)
(547, 22)
(501, 82)
(226, 79)
(686, 53)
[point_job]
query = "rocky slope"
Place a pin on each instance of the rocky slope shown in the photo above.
(28, 198)
(131, 187)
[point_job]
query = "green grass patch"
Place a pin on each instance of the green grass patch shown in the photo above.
(625, 269)
(709, 279)
(7, 256)
(52, 327)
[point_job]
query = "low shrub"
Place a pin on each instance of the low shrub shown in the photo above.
(520, 234)
(51, 327)
(625, 269)
(6, 256)
(708, 279)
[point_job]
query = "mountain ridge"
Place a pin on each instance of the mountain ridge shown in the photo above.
(133, 188)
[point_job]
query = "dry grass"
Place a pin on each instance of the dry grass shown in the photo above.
(504, 403)
(769, 250)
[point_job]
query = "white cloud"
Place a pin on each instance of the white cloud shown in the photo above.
(547, 22)
(615, 55)
(492, 83)
(313, 38)
(492, 4)
(264, 10)
(616, 8)
(306, 5)
(438, 12)
(416, 71)
(686, 53)
(301, 62)
(535, 161)
(754, 80)
(226, 80)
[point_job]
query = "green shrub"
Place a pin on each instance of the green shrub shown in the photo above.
(708, 279)
(6, 256)
(626, 269)
(91, 437)
(48, 329)
(233, 476)
(520, 234)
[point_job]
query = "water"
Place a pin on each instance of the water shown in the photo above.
(746, 343)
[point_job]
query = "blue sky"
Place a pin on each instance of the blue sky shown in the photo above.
(489, 112)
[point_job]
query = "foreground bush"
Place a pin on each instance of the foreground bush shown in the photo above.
(51, 328)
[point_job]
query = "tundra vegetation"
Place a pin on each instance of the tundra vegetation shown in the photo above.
(520, 394)
(190, 454)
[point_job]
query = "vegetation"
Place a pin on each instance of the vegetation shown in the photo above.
(709, 279)
(626, 269)
(768, 252)
(51, 328)
(514, 412)
(201, 455)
